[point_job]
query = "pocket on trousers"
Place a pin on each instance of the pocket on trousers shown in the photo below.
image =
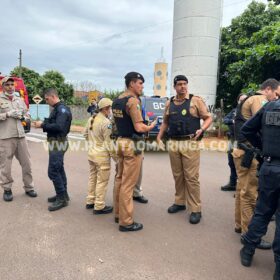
(104, 172)
(2, 156)
(55, 164)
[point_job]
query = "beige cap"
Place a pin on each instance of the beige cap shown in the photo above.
(6, 79)
(104, 102)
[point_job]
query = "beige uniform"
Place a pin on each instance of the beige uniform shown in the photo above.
(247, 184)
(100, 151)
(13, 143)
(185, 159)
(129, 166)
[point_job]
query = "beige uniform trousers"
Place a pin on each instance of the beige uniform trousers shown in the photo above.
(128, 171)
(8, 149)
(246, 193)
(185, 159)
(99, 174)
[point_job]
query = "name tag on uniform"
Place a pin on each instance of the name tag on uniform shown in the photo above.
(272, 118)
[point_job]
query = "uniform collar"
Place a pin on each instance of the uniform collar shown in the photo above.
(6, 96)
(185, 98)
(130, 93)
(56, 104)
(101, 115)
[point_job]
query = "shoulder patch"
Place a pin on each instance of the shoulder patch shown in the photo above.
(63, 110)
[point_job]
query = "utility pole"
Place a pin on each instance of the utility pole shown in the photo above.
(20, 63)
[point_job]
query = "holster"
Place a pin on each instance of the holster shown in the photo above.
(247, 159)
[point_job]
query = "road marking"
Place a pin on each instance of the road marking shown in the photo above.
(44, 136)
(33, 139)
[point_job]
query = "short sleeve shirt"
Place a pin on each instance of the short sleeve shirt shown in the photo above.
(252, 105)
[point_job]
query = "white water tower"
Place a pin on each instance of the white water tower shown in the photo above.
(196, 38)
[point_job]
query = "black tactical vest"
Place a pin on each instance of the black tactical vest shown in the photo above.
(181, 122)
(124, 124)
(239, 120)
(271, 130)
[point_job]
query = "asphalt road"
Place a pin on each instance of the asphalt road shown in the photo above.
(75, 244)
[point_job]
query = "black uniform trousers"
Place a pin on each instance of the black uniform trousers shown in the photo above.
(56, 170)
(268, 204)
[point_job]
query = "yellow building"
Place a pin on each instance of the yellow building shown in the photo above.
(160, 77)
(88, 95)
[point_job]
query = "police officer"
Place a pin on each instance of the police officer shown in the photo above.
(130, 127)
(57, 127)
(246, 192)
(12, 140)
(229, 121)
(182, 119)
(263, 132)
(100, 150)
(92, 107)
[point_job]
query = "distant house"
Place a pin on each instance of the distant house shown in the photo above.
(88, 95)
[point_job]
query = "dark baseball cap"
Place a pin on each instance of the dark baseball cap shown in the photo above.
(180, 78)
(134, 75)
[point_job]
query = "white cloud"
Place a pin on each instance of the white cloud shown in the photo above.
(96, 40)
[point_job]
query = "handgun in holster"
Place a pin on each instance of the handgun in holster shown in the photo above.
(247, 159)
(248, 156)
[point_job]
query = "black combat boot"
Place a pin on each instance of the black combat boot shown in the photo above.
(8, 195)
(246, 256)
(59, 203)
(195, 218)
(53, 198)
(105, 210)
(31, 193)
(140, 199)
(174, 208)
(230, 186)
(133, 227)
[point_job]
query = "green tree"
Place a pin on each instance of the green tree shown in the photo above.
(54, 79)
(31, 80)
(250, 51)
(36, 84)
(277, 2)
(112, 94)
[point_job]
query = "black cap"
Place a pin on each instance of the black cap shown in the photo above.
(133, 75)
(180, 78)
